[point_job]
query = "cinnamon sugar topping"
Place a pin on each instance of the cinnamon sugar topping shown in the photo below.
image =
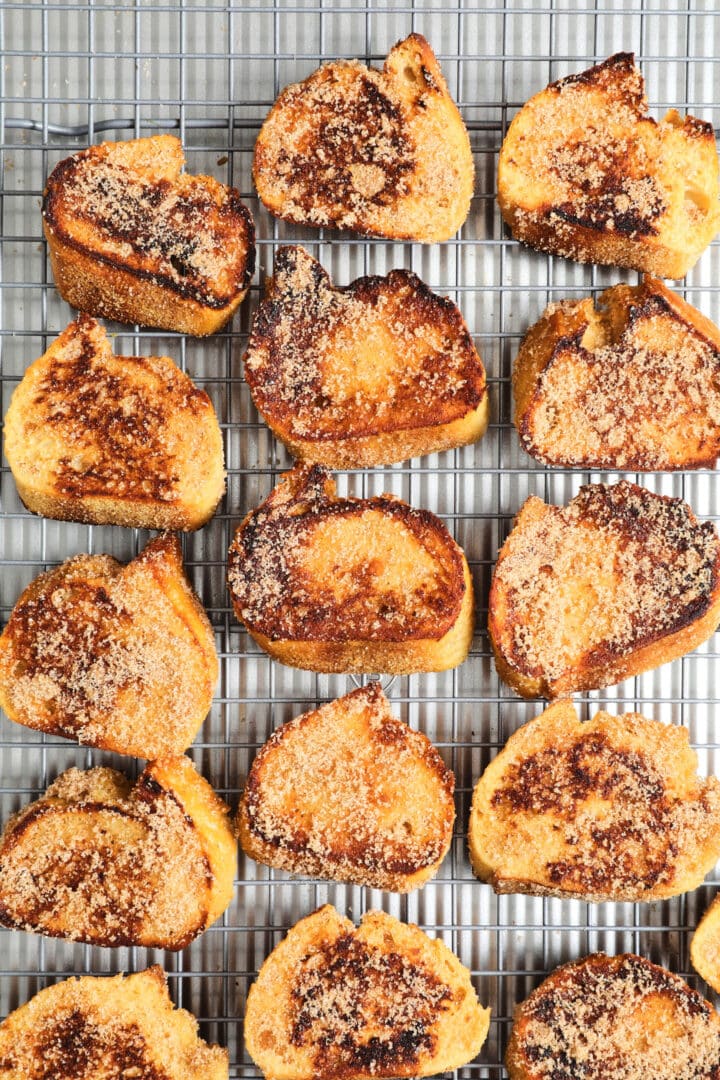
(618, 568)
(616, 1018)
(360, 1008)
(381, 355)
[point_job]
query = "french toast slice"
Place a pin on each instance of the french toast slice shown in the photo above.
(118, 657)
(134, 238)
(585, 173)
(373, 373)
(99, 861)
(610, 809)
(107, 1028)
(632, 385)
(383, 153)
(705, 946)
(614, 1018)
(617, 582)
(350, 585)
(381, 1000)
(113, 440)
(350, 793)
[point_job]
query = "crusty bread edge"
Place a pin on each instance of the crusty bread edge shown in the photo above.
(389, 447)
(386, 657)
(710, 922)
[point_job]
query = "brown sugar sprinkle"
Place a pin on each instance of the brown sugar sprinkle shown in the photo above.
(97, 880)
(617, 568)
(364, 1009)
(118, 418)
(95, 649)
(307, 358)
(598, 166)
(191, 232)
(622, 827)
(616, 1018)
(630, 402)
(363, 155)
(396, 576)
(71, 1045)
(365, 762)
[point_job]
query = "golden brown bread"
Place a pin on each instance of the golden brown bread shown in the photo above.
(118, 657)
(350, 793)
(705, 946)
(115, 440)
(614, 1018)
(350, 585)
(606, 810)
(344, 1003)
(585, 172)
(99, 861)
(631, 385)
(376, 372)
(106, 1029)
(133, 238)
(384, 153)
(617, 582)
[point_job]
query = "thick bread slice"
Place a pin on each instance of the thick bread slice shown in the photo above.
(617, 582)
(340, 584)
(614, 1018)
(384, 153)
(95, 860)
(705, 946)
(133, 238)
(586, 173)
(380, 1000)
(631, 385)
(118, 657)
(113, 440)
(376, 372)
(606, 810)
(350, 793)
(104, 1029)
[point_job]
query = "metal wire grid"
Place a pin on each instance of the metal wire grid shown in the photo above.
(73, 73)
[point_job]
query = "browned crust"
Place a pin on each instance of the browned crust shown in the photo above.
(20, 653)
(428, 414)
(307, 627)
(121, 1026)
(561, 330)
(607, 666)
(591, 981)
(121, 416)
(632, 238)
(120, 288)
(399, 169)
(396, 867)
(147, 791)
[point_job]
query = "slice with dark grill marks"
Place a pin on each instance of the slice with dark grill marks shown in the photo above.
(95, 860)
(617, 582)
(585, 172)
(343, 584)
(118, 657)
(350, 793)
(107, 1028)
(633, 384)
(116, 440)
(376, 372)
(614, 1018)
(132, 237)
(379, 1001)
(384, 153)
(606, 810)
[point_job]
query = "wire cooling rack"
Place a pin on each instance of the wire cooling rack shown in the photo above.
(75, 73)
